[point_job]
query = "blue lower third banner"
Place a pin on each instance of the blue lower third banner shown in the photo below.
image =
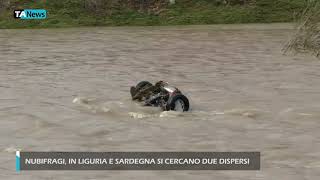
(138, 161)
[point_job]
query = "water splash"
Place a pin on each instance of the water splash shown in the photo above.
(137, 111)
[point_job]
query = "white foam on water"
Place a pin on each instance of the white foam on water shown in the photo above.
(11, 149)
(250, 112)
(136, 111)
(305, 114)
(95, 107)
(170, 114)
(81, 100)
(137, 115)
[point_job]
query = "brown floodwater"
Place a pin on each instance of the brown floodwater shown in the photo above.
(68, 90)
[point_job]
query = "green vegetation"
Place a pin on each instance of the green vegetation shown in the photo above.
(69, 13)
(307, 37)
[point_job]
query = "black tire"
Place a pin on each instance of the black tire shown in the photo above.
(133, 91)
(171, 105)
(142, 84)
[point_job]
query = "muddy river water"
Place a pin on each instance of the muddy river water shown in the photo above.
(68, 90)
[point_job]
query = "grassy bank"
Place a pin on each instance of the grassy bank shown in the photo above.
(307, 37)
(70, 13)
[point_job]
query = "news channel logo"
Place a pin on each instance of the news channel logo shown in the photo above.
(30, 14)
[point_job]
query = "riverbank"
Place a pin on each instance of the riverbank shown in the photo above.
(72, 13)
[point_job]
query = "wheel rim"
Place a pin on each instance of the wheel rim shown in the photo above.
(179, 105)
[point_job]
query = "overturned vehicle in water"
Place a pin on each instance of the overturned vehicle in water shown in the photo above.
(160, 95)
